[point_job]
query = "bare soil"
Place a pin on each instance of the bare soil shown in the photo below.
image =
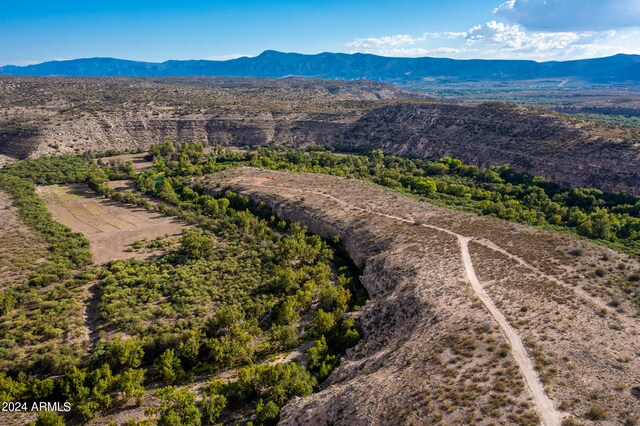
(20, 248)
(111, 227)
(534, 338)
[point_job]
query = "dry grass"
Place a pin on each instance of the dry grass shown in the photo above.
(421, 327)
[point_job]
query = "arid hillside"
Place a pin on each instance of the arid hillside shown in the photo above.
(45, 116)
(471, 320)
(540, 142)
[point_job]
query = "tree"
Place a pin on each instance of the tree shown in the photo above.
(425, 186)
(121, 353)
(600, 224)
(320, 362)
(49, 418)
(169, 367)
(212, 407)
(165, 190)
(222, 321)
(131, 384)
(332, 298)
(377, 154)
(267, 413)
(189, 347)
(197, 244)
(10, 390)
(283, 336)
(177, 408)
(323, 322)
(285, 313)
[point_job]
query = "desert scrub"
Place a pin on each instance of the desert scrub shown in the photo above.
(596, 413)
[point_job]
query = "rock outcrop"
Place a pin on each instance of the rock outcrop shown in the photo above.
(431, 351)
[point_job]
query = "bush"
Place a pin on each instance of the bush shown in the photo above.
(597, 413)
(212, 406)
(49, 418)
(267, 413)
(197, 244)
(177, 408)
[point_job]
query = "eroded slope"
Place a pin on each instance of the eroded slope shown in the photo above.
(433, 349)
(541, 143)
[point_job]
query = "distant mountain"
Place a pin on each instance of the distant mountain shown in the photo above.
(618, 68)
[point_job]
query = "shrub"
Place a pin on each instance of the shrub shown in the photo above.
(597, 413)
(49, 418)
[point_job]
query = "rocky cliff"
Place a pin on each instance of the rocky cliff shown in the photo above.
(568, 151)
(45, 116)
(431, 349)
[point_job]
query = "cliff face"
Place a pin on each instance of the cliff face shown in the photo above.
(430, 350)
(44, 116)
(139, 132)
(48, 116)
(541, 143)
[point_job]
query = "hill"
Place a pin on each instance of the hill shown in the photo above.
(68, 115)
(461, 309)
(614, 69)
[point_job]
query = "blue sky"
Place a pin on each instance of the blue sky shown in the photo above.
(32, 31)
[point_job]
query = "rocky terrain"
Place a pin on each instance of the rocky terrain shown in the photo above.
(471, 320)
(52, 116)
(44, 116)
(566, 150)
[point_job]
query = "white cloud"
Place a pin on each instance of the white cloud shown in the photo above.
(384, 42)
(512, 37)
(573, 29)
(571, 15)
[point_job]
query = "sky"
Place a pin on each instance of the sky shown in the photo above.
(159, 30)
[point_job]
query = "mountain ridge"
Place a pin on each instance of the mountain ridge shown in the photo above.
(345, 66)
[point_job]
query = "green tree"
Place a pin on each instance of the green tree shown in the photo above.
(285, 313)
(267, 413)
(177, 408)
(323, 322)
(49, 418)
(120, 353)
(212, 406)
(169, 367)
(320, 361)
(131, 385)
(425, 186)
(283, 337)
(197, 244)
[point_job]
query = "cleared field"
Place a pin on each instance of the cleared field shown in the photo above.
(20, 248)
(111, 227)
(139, 162)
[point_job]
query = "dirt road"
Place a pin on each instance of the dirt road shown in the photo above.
(549, 415)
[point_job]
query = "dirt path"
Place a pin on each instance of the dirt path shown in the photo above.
(546, 409)
(548, 414)
(600, 304)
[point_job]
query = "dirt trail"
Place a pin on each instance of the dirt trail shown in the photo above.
(581, 292)
(548, 414)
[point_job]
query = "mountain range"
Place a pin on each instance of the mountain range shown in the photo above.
(612, 69)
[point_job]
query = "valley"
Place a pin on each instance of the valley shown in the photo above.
(79, 115)
(325, 213)
(204, 251)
